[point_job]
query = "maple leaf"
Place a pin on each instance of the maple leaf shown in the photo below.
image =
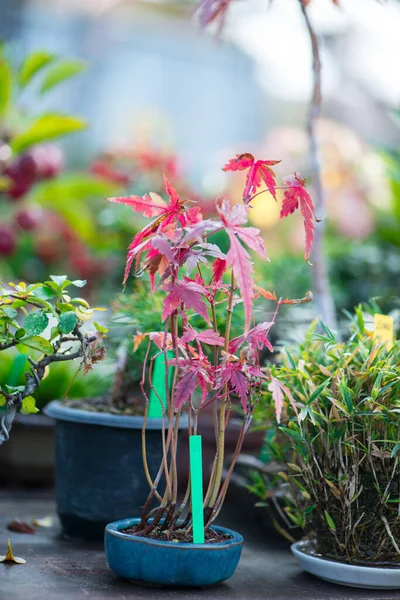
(167, 215)
(187, 292)
(150, 205)
(219, 268)
(238, 258)
(185, 388)
(242, 267)
(279, 390)
(162, 244)
(259, 171)
(239, 384)
(257, 338)
(209, 336)
(157, 337)
(296, 195)
(193, 373)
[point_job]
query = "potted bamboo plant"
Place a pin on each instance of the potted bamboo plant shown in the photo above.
(168, 544)
(342, 430)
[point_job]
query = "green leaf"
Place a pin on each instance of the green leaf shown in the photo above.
(11, 313)
(330, 521)
(32, 64)
(79, 282)
(5, 84)
(46, 127)
(20, 333)
(67, 322)
(58, 279)
(36, 323)
(395, 450)
(44, 292)
(38, 343)
(102, 329)
(318, 391)
(29, 406)
(60, 72)
(309, 509)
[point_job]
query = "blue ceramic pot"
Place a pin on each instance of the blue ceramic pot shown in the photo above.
(159, 563)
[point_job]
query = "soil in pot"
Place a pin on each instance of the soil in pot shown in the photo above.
(134, 405)
(211, 536)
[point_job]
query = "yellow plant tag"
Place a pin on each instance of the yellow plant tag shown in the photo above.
(383, 329)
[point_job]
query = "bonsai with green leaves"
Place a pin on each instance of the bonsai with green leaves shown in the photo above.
(342, 446)
(43, 321)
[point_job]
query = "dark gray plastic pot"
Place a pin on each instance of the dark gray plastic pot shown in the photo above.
(99, 469)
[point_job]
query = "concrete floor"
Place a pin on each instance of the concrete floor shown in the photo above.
(64, 569)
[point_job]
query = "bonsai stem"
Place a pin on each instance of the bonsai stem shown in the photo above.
(222, 425)
(146, 412)
(224, 488)
(323, 297)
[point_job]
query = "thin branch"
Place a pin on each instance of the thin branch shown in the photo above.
(323, 297)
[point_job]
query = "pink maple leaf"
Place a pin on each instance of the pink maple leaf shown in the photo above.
(279, 390)
(296, 195)
(209, 336)
(232, 218)
(162, 244)
(187, 292)
(257, 338)
(259, 171)
(240, 385)
(238, 258)
(150, 205)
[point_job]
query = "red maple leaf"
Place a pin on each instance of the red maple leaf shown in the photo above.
(150, 205)
(258, 172)
(193, 372)
(167, 215)
(219, 268)
(296, 195)
(187, 292)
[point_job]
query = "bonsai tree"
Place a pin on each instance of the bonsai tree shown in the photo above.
(210, 365)
(44, 322)
(342, 444)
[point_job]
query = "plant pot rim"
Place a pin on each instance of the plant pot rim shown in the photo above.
(57, 410)
(345, 574)
(115, 528)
